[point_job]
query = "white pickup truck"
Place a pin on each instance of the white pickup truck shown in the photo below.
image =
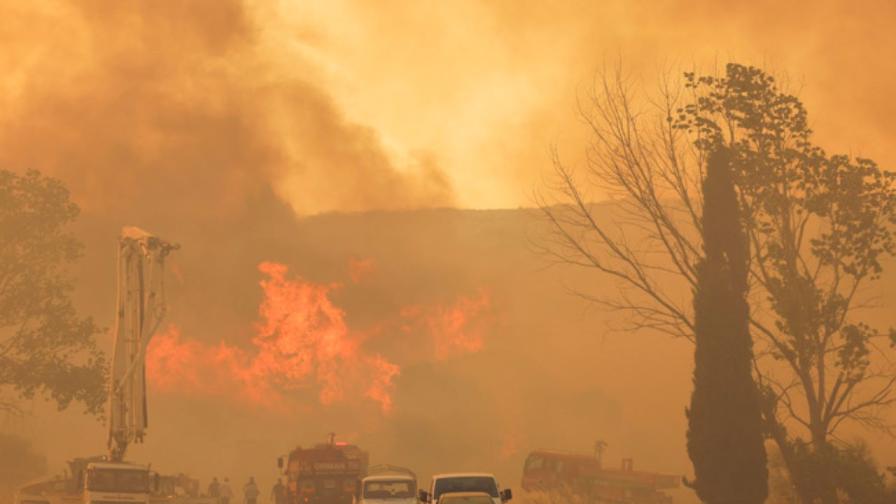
(465, 482)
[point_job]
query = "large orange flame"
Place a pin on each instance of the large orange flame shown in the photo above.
(302, 342)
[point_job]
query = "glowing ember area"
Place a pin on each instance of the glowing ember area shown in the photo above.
(172, 363)
(360, 269)
(188, 366)
(455, 329)
(380, 387)
(302, 341)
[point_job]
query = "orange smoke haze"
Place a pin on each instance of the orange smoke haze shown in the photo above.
(351, 106)
(166, 104)
(303, 342)
(338, 137)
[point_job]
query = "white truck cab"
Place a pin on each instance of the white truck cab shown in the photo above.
(465, 482)
(116, 483)
(92, 481)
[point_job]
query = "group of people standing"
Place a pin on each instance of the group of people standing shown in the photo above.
(224, 493)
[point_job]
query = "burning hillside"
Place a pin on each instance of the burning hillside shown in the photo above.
(303, 342)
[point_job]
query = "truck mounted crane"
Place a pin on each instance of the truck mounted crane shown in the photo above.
(139, 310)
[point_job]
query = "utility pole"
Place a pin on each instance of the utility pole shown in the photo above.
(599, 448)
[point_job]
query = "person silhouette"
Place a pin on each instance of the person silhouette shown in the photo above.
(250, 491)
(226, 491)
(278, 492)
(214, 488)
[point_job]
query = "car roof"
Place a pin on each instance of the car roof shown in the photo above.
(464, 475)
(389, 477)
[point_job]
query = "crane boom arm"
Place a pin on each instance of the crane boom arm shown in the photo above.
(140, 308)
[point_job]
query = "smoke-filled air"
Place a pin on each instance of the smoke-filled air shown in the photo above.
(468, 252)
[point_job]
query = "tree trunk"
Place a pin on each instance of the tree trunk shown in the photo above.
(827, 488)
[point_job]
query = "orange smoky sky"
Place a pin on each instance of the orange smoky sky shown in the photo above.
(343, 105)
(289, 133)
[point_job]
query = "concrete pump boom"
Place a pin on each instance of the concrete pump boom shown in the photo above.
(139, 311)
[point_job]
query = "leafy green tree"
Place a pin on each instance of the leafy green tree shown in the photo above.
(45, 347)
(725, 437)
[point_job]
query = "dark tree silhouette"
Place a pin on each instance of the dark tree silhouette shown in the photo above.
(725, 439)
(850, 469)
(819, 228)
(45, 347)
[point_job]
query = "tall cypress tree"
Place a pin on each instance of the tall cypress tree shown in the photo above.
(725, 441)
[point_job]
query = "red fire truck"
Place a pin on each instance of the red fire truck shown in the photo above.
(327, 473)
(584, 477)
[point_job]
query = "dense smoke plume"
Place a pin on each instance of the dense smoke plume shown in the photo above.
(175, 107)
(350, 106)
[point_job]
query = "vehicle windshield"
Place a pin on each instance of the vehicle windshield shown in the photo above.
(118, 480)
(386, 489)
(465, 484)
